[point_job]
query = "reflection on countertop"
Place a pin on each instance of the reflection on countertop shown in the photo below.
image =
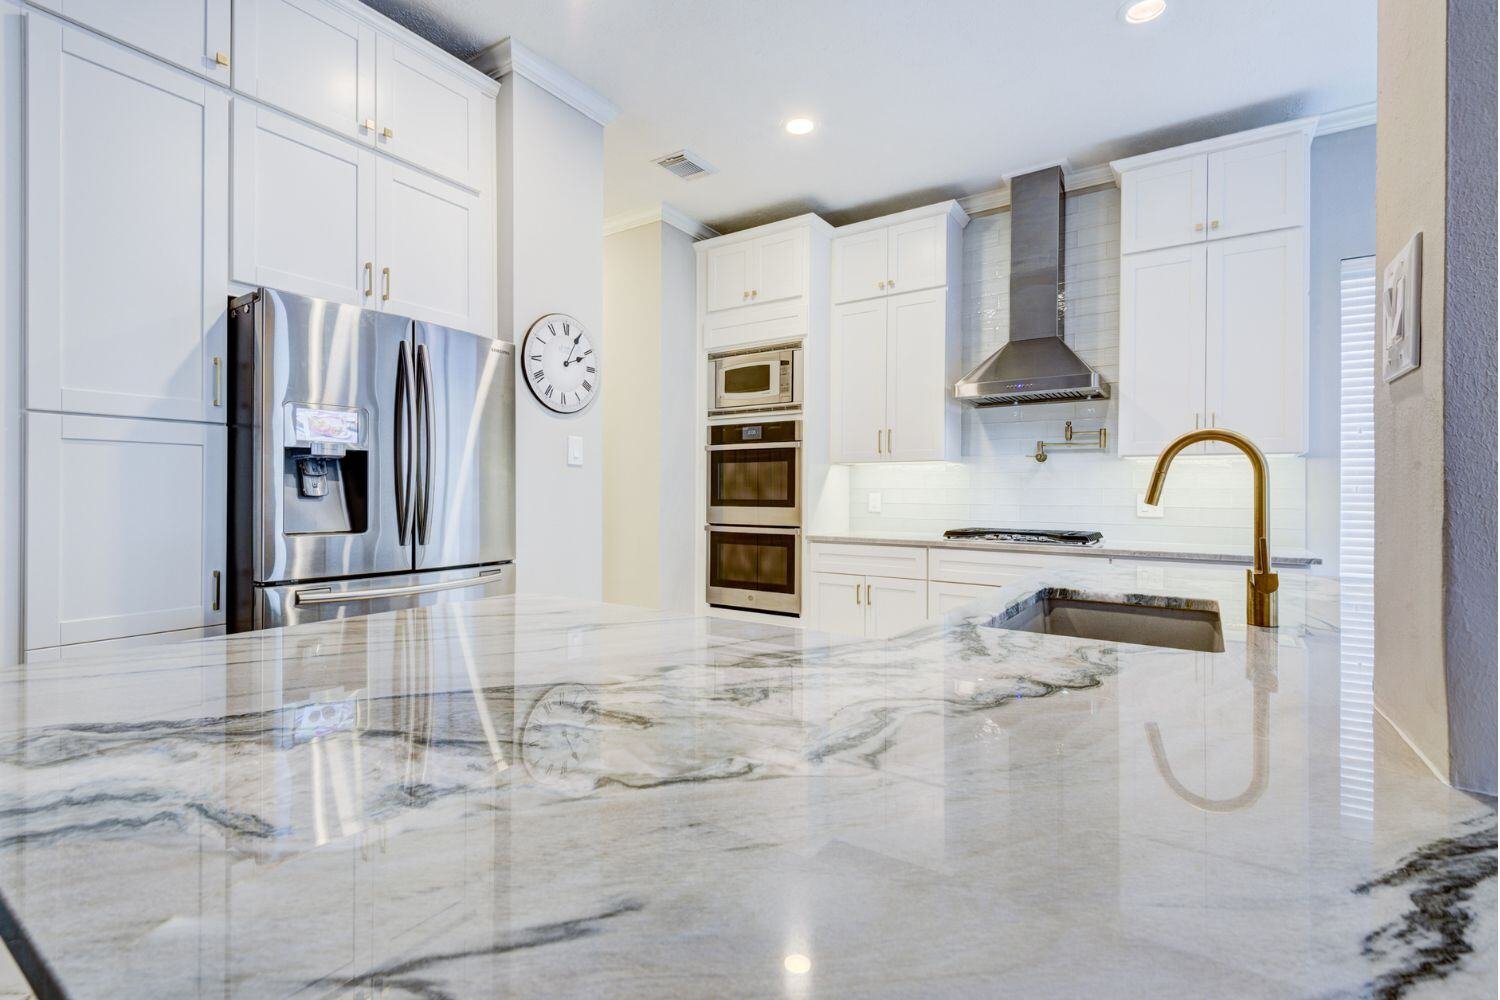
(525, 796)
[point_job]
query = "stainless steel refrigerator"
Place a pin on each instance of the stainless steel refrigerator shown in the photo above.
(372, 462)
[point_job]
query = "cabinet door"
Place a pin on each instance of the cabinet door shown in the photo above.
(304, 209)
(193, 34)
(427, 114)
(858, 358)
(780, 267)
(126, 230)
(309, 58)
(1257, 188)
(428, 247)
(918, 255)
(728, 274)
(859, 266)
(1257, 338)
(916, 395)
(124, 527)
(1161, 347)
(838, 603)
(893, 606)
(943, 598)
(1164, 205)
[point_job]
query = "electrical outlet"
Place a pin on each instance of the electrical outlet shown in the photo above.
(872, 502)
(1143, 509)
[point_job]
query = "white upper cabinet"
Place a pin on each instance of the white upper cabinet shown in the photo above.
(763, 285)
(1213, 326)
(860, 378)
(1164, 204)
(878, 259)
(1217, 189)
(126, 231)
(124, 527)
(728, 276)
(313, 59)
(431, 250)
(1162, 347)
(428, 115)
(193, 34)
(757, 271)
(1258, 187)
(1256, 357)
(304, 209)
(917, 383)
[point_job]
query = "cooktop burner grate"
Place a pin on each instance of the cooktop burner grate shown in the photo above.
(1027, 535)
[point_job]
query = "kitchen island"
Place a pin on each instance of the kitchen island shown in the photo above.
(528, 796)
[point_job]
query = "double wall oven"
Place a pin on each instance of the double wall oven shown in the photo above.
(754, 490)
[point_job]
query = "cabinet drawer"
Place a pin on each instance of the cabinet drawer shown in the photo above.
(897, 561)
(990, 569)
(945, 597)
(754, 326)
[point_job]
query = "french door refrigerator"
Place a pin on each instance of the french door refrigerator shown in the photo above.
(372, 462)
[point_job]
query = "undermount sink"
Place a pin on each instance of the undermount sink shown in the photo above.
(1172, 623)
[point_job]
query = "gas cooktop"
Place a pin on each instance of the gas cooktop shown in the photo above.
(1027, 535)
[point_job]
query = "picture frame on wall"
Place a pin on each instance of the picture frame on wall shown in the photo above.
(1401, 311)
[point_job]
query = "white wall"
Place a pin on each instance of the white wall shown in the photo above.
(550, 200)
(999, 483)
(682, 497)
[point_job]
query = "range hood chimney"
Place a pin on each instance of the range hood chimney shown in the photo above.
(1035, 366)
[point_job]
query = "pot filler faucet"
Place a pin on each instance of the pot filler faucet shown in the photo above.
(1260, 582)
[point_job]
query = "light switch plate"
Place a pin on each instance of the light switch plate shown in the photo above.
(1144, 509)
(872, 502)
(575, 449)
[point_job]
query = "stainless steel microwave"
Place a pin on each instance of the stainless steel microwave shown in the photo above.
(757, 379)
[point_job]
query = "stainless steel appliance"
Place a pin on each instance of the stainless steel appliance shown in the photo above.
(371, 462)
(760, 378)
(1032, 535)
(755, 473)
(755, 568)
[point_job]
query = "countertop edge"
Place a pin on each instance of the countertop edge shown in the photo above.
(1297, 560)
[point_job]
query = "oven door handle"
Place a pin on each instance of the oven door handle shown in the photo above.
(760, 445)
(745, 529)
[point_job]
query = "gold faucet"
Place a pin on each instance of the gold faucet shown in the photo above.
(1260, 582)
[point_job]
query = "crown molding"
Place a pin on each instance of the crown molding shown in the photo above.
(510, 56)
(1359, 116)
(1074, 179)
(665, 214)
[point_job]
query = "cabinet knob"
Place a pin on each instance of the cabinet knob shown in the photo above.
(879, 284)
(754, 293)
(368, 124)
(1197, 227)
(1214, 224)
(221, 59)
(744, 295)
(387, 133)
(890, 283)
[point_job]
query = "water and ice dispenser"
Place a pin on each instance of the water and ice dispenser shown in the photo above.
(325, 469)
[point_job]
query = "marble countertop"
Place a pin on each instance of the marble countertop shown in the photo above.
(1165, 551)
(531, 796)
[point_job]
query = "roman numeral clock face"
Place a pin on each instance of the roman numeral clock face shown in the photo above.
(558, 362)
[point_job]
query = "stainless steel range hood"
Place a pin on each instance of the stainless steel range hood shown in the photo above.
(1035, 366)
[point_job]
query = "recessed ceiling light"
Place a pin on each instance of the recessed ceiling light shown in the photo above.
(797, 964)
(799, 126)
(1141, 11)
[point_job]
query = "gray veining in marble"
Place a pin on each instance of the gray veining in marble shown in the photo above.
(1288, 558)
(527, 796)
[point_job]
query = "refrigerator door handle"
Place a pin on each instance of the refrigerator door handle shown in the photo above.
(327, 595)
(424, 421)
(405, 439)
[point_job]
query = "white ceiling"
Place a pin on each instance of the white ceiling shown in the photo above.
(914, 101)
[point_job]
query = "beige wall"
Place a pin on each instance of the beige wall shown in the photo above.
(632, 439)
(1410, 170)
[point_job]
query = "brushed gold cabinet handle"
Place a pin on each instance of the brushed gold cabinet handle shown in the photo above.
(754, 293)
(368, 124)
(221, 59)
(867, 593)
(890, 283)
(385, 283)
(369, 278)
(877, 441)
(856, 593)
(1213, 419)
(890, 441)
(879, 284)
(387, 133)
(1197, 420)
(218, 382)
(217, 581)
(1214, 224)
(1197, 227)
(744, 295)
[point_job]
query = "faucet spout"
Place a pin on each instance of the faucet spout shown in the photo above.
(1260, 583)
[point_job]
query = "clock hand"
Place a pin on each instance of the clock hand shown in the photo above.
(569, 359)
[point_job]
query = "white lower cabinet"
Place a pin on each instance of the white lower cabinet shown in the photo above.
(943, 598)
(304, 209)
(124, 528)
(126, 230)
(875, 607)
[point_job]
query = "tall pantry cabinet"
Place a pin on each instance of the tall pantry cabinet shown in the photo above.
(176, 153)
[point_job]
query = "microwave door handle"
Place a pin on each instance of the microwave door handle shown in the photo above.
(425, 419)
(403, 442)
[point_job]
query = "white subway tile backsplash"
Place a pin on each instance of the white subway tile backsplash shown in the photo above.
(1208, 499)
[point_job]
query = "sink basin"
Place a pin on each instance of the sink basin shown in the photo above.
(1168, 622)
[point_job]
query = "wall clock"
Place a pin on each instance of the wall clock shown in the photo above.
(559, 364)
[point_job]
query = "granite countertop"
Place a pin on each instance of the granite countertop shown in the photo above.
(532, 796)
(1166, 551)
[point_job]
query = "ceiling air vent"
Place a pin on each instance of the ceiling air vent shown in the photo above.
(686, 164)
